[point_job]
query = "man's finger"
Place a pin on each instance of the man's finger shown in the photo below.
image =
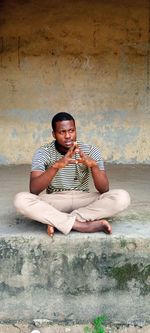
(81, 153)
(71, 161)
(80, 160)
(72, 150)
(77, 161)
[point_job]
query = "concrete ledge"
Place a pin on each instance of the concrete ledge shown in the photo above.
(27, 328)
(72, 279)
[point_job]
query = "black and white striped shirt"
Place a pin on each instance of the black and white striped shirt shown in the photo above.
(73, 176)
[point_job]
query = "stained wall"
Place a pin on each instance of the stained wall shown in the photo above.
(89, 58)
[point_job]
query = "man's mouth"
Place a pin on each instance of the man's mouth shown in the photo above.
(69, 143)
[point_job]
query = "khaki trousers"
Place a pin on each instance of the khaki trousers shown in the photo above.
(61, 209)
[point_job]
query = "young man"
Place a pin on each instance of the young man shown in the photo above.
(63, 167)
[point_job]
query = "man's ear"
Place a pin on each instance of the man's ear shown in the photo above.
(53, 134)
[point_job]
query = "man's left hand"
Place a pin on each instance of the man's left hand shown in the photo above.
(85, 159)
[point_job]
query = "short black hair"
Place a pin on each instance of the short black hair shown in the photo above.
(60, 117)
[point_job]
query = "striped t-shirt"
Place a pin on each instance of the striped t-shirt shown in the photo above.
(72, 176)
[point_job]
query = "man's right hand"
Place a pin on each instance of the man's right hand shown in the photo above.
(67, 158)
(40, 180)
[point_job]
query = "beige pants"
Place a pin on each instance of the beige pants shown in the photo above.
(61, 209)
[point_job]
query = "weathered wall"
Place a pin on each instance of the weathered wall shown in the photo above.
(90, 58)
(75, 279)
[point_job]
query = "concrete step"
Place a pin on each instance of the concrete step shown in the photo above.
(30, 328)
(72, 279)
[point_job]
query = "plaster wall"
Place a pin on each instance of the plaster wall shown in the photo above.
(89, 58)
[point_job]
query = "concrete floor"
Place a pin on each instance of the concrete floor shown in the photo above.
(23, 328)
(134, 221)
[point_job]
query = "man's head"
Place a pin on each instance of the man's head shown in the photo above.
(61, 116)
(64, 130)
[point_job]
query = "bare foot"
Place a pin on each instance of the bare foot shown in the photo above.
(50, 230)
(93, 226)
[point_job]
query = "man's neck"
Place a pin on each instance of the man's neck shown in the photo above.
(60, 148)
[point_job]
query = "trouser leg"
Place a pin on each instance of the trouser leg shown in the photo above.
(36, 208)
(61, 210)
(106, 205)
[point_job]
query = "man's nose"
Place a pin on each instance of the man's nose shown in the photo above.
(67, 134)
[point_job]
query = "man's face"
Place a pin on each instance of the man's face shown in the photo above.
(65, 133)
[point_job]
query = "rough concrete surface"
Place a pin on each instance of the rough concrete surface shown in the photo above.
(133, 178)
(74, 278)
(24, 328)
(89, 58)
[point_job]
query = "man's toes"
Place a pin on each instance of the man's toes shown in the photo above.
(106, 227)
(50, 230)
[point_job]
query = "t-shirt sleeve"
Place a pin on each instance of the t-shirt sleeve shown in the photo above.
(96, 155)
(39, 160)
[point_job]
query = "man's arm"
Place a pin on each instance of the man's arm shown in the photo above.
(39, 180)
(99, 176)
(100, 179)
